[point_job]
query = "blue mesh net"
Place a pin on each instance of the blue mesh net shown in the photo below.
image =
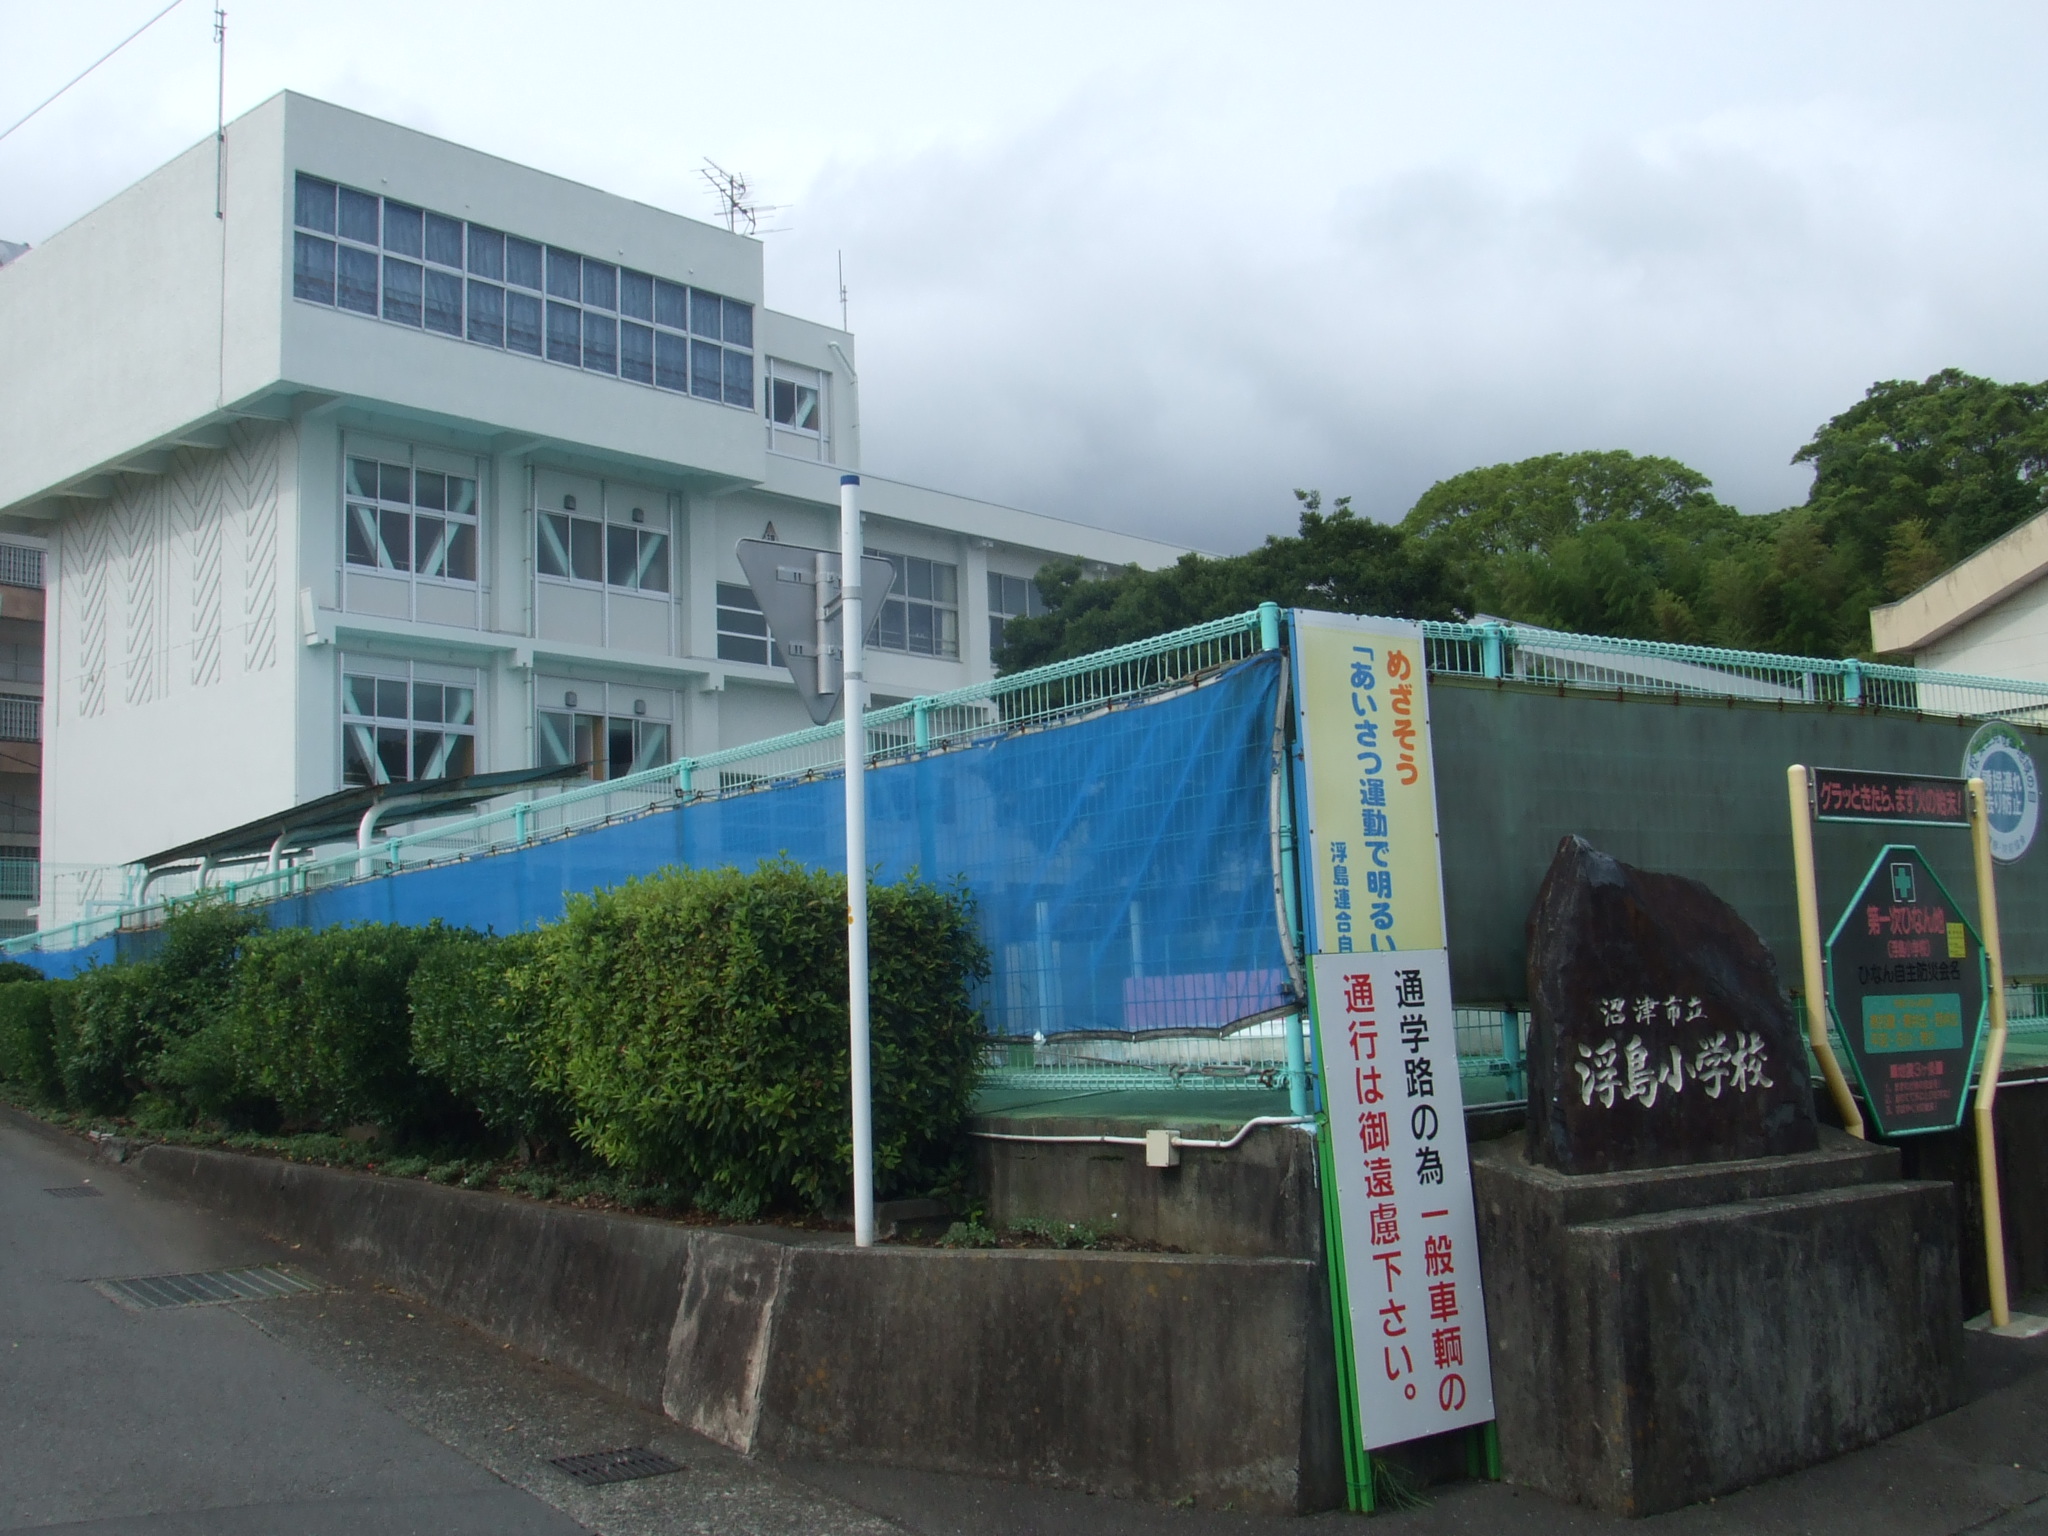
(1122, 865)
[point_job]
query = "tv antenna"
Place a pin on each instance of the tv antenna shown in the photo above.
(736, 204)
(842, 291)
(220, 110)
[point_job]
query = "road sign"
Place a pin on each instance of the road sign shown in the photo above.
(798, 589)
(1997, 754)
(1907, 980)
(1906, 799)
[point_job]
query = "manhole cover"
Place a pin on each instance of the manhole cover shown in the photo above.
(73, 1191)
(207, 1289)
(622, 1466)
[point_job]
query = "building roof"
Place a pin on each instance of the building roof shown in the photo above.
(1966, 589)
(334, 817)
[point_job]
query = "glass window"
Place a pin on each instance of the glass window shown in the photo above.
(358, 216)
(672, 305)
(739, 323)
(486, 253)
(522, 263)
(571, 548)
(522, 322)
(742, 627)
(922, 612)
(636, 294)
(739, 378)
(794, 405)
(552, 556)
(565, 275)
(394, 483)
(1009, 597)
(600, 342)
(705, 373)
(565, 333)
(486, 313)
(600, 284)
(425, 522)
(396, 731)
(313, 204)
(636, 352)
(401, 291)
(361, 477)
(356, 279)
(313, 268)
(671, 360)
(402, 229)
(444, 240)
(444, 302)
(704, 313)
(636, 558)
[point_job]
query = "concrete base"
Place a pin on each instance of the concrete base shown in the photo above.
(1665, 1335)
(1206, 1378)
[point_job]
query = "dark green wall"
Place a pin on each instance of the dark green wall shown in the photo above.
(1695, 788)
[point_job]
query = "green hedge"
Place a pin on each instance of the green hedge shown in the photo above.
(688, 1029)
(702, 1023)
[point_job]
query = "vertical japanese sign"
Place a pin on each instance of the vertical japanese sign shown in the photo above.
(1380, 995)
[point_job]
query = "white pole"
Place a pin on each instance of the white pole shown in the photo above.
(853, 705)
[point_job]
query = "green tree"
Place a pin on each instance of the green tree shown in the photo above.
(1338, 561)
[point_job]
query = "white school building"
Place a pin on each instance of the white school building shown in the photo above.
(413, 463)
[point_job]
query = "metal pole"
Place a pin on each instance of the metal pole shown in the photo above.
(1994, 1057)
(853, 634)
(1809, 951)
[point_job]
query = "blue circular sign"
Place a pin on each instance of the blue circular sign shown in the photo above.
(2012, 788)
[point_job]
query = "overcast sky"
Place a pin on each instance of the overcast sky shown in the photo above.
(1154, 266)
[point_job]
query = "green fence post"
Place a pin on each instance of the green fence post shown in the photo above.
(1852, 682)
(921, 718)
(684, 766)
(1511, 1050)
(1490, 650)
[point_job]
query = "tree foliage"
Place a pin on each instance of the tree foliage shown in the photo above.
(1909, 480)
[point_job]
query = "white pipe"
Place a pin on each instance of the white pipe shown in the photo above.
(1138, 1141)
(853, 707)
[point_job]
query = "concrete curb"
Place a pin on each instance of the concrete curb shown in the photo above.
(1141, 1375)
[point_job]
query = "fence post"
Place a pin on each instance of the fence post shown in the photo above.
(1852, 682)
(1490, 649)
(522, 817)
(1511, 1049)
(685, 767)
(921, 716)
(1269, 626)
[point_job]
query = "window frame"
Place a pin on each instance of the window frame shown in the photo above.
(905, 609)
(387, 513)
(382, 674)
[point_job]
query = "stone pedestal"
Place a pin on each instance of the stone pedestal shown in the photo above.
(1667, 1334)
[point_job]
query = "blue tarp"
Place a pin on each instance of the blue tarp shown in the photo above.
(1122, 865)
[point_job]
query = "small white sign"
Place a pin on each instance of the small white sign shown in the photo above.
(1404, 1192)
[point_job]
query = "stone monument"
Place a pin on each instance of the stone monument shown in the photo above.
(1659, 1034)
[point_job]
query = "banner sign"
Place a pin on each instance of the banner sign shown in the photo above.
(1907, 981)
(1399, 1206)
(1411, 1250)
(1363, 706)
(1908, 799)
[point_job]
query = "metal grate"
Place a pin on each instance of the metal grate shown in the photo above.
(20, 566)
(72, 1191)
(212, 1288)
(596, 1468)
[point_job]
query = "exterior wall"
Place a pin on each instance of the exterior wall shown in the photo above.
(169, 653)
(2010, 640)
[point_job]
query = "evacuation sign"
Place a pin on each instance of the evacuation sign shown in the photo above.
(1906, 979)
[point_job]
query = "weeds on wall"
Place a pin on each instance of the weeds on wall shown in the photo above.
(683, 1033)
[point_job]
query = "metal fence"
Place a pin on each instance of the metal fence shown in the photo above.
(20, 566)
(21, 717)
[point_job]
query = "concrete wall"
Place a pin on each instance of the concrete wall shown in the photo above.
(2007, 640)
(1156, 1376)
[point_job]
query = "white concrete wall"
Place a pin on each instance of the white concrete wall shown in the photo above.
(2010, 640)
(171, 654)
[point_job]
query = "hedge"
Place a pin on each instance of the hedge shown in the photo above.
(688, 1029)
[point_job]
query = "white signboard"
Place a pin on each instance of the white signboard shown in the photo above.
(1404, 1192)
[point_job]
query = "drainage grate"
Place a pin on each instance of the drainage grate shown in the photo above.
(72, 1191)
(265, 1283)
(620, 1466)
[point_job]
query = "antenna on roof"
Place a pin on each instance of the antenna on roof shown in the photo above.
(736, 204)
(842, 291)
(220, 110)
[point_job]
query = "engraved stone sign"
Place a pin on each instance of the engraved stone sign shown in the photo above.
(1660, 1035)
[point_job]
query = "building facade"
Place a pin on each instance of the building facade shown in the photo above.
(1987, 615)
(414, 462)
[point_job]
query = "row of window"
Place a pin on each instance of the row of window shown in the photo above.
(616, 554)
(357, 251)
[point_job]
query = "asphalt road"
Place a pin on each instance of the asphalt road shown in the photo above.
(359, 1411)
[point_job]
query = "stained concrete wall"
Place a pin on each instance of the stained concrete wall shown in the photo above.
(1149, 1375)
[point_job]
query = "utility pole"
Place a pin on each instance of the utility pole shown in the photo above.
(853, 633)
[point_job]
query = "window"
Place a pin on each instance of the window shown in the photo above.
(635, 558)
(612, 745)
(922, 613)
(571, 548)
(795, 398)
(742, 626)
(399, 728)
(1010, 597)
(398, 519)
(414, 267)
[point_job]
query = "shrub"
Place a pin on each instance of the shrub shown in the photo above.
(702, 1026)
(28, 1038)
(320, 1024)
(480, 1026)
